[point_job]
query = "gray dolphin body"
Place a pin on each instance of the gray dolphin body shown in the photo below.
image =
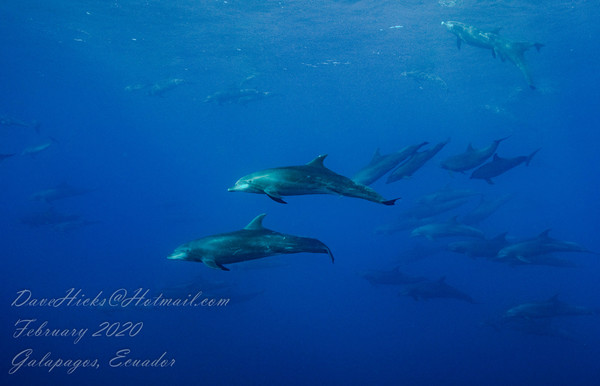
(480, 248)
(415, 162)
(528, 250)
(381, 164)
(8, 121)
(547, 309)
(446, 194)
(312, 178)
(451, 228)
(435, 289)
(471, 158)
(252, 242)
(34, 150)
(391, 277)
(499, 166)
(163, 86)
(238, 96)
(499, 46)
(485, 209)
(59, 192)
(426, 210)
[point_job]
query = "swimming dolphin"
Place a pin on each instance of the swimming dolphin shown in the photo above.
(59, 192)
(480, 248)
(312, 178)
(427, 210)
(252, 242)
(435, 289)
(446, 194)
(525, 251)
(547, 309)
(423, 76)
(9, 121)
(485, 209)
(415, 162)
(241, 96)
(161, 87)
(506, 49)
(451, 228)
(539, 327)
(500, 165)
(471, 158)
(34, 150)
(380, 164)
(391, 277)
(48, 217)
(5, 156)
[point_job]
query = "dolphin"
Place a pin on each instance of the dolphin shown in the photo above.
(252, 242)
(312, 178)
(435, 289)
(539, 327)
(415, 162)
(238, 96)
(423, 76)
(547, 260)
(525, 251)
(480, 248)
(547, 309)
(500, 165)
(506, 49)
(59, 192)
(5, 156)
(48, 217)
(485, 209)
(380, 164)
(451, 228)
(471, 158)
(34, 150)
(8, 121)
(401, 224)
(391, 277)
(446, 194)
(161, 87)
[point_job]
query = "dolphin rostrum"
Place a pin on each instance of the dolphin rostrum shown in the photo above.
(499, 166)
(252, 242)
(312, 178)
(471, 158)
(506, 49)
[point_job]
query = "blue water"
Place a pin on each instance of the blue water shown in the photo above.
(160, 166)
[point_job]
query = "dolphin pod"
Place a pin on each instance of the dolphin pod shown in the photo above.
(499, 46)
(253, 242)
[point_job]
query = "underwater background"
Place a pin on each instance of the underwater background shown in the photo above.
(114, 98)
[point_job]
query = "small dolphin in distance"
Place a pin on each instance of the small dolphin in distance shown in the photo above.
(451, 228)
(312, 178)
(5, 156)
(61, 191)
(480, 248)
(252, 242)
(471, 158)
(391, 277)
(547, 309)
(499, 166)
(381, 164)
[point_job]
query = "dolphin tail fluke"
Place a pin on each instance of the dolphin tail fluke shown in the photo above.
(502, 139)
(530, 156)
(390, 202)
(328, 251)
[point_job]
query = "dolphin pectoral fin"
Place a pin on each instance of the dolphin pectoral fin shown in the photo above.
(214, 265)
(275, 196)
(493, 53)
(458, 41)
(489, 181)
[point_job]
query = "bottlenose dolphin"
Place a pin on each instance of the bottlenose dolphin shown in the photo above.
(252, 242)
(423, 76)
(5, 156)
(34, 150)
(451, 228)
(542, 244)
(312, 178)
(427, 210)
(506, 49)
(446, 194)
(435, 289)
(48, 217)
(547, 309)
(161, 87)
(415, 162)
(480, 248)
(9, 121)
(500, 165)
(61, 191)
(381, 164)
(241, 96)
(485, 209)
(392, 277)
(471, 158)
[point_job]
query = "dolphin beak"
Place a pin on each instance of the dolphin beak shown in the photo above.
(178, 255)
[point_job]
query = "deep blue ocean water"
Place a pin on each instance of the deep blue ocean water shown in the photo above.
(159, 165)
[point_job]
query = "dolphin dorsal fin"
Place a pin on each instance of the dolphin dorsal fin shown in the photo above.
(376, 156)
(496, 158)
(544, 234)
(318, 162)
(256, 224)
(470, 147)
